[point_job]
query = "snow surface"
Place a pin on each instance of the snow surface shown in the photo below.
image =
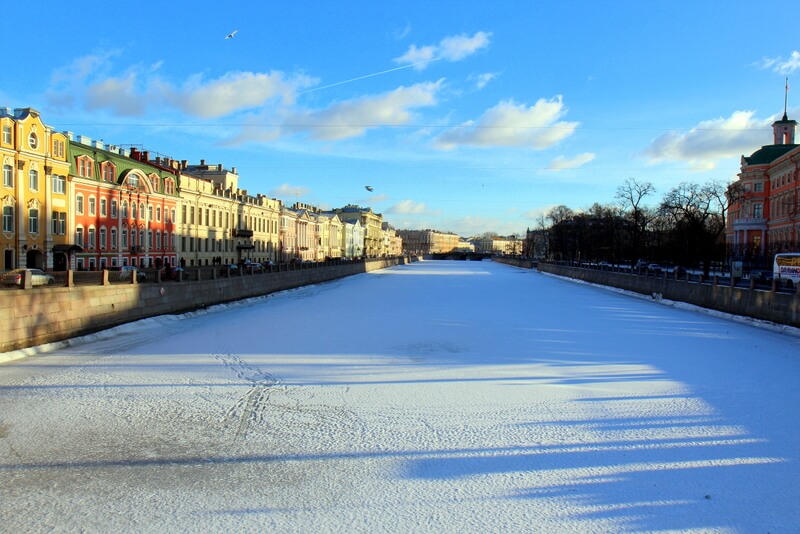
(431, 397)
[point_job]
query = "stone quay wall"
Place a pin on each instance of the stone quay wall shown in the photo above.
(41, 315)
(764, 304)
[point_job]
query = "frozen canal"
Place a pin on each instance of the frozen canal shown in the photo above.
(432, 397)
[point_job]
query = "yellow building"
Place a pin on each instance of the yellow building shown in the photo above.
(219, 223)
(374, 243)
(422, 242)
(33, 192)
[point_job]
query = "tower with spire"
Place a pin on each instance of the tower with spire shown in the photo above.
(784, 129)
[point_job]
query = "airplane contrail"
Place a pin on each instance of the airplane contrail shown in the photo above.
(369, 75)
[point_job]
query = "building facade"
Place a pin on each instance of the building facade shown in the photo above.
(123, 207)
(764, 202)
(33, 193)
(221, 224)
(374, 244)
(423, 242)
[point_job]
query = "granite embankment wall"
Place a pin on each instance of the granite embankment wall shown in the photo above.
(44, 315)
(781, 308)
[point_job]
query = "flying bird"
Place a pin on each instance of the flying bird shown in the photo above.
(368, 187)
(230, 35)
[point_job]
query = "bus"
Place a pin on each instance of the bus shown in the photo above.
(786, 269)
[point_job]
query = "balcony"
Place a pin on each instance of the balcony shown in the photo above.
(750, 224)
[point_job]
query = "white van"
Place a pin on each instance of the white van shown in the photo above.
(786, 269)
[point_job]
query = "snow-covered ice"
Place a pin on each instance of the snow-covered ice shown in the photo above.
(431, 397)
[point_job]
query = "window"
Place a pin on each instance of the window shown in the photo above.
(113, 238)
(109, 172)
(33, 140)
(103, 207)
(102, 238)
(58, 148)
(79, 204)
(124, 238)
(124, 210)
(113, 209)
(8, 218)
(8, 176)
(7, 134)
(149, 212)
(133, 181)
(133, 210)
(33, 221)
(92, 206)
(169, 187)
(158, 213)
(33, 179)
(758, 187)
(141, 210)
(54, 222)
(79, 236)
(154, 182)
(85, 167)
(757, 211)
(59, 184)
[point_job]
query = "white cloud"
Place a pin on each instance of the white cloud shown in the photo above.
(710, 141)
(117, 95)
(287, 190)
(783, 66)
(484, 79)
(408, 207)
(513, 125)
(402, 33)
(453, 48)
(351, 118)
(561, 163)
(235, 91)
(90, 81)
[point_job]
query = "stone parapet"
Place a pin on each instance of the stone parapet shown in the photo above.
(45, 315)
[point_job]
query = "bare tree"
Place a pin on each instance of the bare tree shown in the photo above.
(697, 216)
(559, 214)
(631, 196)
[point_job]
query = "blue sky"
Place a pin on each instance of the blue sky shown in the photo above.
(468, 117)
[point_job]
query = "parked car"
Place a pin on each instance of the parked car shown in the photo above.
(654, 268)
(38, 277)
(126, 272)
(762, 275)
(256, 267)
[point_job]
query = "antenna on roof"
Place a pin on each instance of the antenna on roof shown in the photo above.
(786, 99)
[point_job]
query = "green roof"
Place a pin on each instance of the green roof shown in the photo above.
(768, 154)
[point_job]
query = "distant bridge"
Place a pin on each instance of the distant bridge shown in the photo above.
(462, 256)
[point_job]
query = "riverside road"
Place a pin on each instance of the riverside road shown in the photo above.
(440, 396)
